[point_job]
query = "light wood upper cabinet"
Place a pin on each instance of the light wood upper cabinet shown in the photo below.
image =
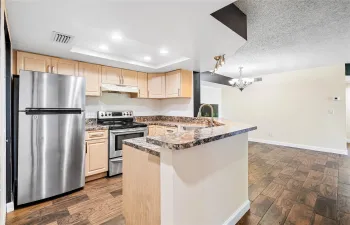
(129, 77)
(34, 62)
(178, 84)
(96, 160)
(156, 85)
(92, 74)
(111, 75)
(64, 66)
(142, 84)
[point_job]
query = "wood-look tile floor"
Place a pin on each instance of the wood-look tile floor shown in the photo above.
(294, 186)
(286, 186)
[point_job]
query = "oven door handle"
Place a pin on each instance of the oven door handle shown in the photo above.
(117, 160)
(127, 131)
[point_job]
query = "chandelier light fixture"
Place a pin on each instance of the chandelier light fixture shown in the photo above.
(241, 82)
(220, 61)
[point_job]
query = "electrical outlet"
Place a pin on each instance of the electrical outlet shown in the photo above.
(270, 134)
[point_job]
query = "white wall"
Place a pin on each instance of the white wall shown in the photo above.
(117, 101)
(211, 95)
(176, 107)
(294, 107)
(348, 111)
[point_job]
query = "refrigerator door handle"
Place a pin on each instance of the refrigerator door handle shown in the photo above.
(43, 111)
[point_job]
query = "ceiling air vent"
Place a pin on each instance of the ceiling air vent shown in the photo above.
(61, 38)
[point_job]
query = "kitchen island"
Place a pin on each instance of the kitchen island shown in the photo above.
(195, 176)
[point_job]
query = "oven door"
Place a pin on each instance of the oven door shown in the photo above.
(117, 137)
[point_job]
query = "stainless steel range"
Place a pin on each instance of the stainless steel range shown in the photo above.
(121, 127)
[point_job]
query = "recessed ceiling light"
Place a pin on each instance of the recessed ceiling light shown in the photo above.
(117, 37)
(147, 58)
(163, 51)
(103, 47)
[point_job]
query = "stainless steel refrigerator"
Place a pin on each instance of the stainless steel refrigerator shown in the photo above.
(51, 135)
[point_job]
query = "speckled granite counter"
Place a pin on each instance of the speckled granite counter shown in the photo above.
(191, 138)
(91, 124)
(175, 124)
(143, 145)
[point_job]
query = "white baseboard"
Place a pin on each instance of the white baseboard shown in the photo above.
(10, 207)
(238, 214)
(307, 147)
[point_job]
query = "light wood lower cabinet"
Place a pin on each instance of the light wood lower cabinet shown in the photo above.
(34, 62)
(92, 74)
(96, 160)
(151, 130)
(156, 85)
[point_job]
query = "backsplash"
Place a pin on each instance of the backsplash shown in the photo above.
(119, 102)
(140, 107)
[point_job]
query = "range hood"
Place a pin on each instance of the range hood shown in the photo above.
(119, 88)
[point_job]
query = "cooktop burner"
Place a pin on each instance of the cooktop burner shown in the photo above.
(118, 120)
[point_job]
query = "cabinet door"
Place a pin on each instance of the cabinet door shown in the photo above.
(186, 89)
(142, 84)
(160, 130)
(151, 130)
(34, 62)
(129, 77)
(92, 74)
(173, 84)
(64, 66)
(111, 75)
(96, 160)
(156, 85)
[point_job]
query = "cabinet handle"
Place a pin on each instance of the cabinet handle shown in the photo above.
(96, 135)
(139, 92)
(85, 148)
(120, 79)
(178, 92)
(52, 68)
(48, 69)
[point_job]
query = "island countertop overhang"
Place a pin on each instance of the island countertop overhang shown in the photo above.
(188, 139)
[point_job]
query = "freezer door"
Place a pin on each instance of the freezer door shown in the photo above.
(51, 155)
(45, 90)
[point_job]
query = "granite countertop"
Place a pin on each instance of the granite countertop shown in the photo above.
(199, 134)
(95, 127)
(91, 124)
(174, 124)
(191, 138)
(143, 145)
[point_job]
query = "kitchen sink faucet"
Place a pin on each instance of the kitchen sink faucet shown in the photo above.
(212, 112)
